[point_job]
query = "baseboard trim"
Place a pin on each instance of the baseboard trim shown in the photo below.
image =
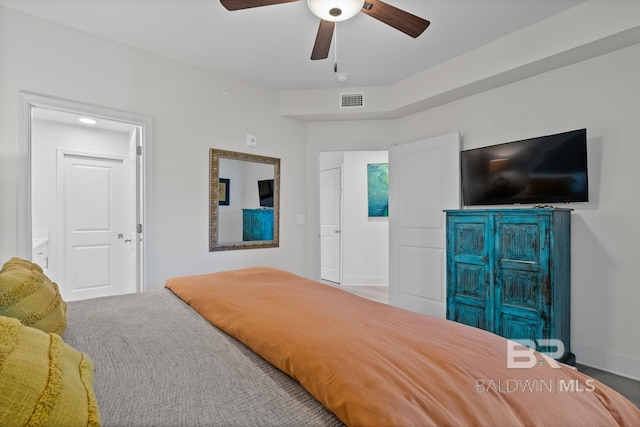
(365, 281)
(614, 363)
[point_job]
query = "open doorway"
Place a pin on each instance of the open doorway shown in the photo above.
(83, 196)
(424, 180)
(353, 244)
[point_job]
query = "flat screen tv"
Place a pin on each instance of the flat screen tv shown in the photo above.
(543, 170)
(265, 193)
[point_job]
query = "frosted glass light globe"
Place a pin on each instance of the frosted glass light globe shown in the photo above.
(322, 8)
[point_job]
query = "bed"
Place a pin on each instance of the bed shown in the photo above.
(264, 347)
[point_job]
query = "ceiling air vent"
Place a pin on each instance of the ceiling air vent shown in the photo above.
(351, 100)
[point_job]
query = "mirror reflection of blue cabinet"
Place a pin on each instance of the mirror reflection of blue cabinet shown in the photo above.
(257, 224)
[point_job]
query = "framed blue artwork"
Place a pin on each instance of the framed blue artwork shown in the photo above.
(378, 189)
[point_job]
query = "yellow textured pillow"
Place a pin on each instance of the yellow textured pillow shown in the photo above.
(43, 381)
(27, 294)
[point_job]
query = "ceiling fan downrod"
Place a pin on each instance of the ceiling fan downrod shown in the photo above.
(335, 45)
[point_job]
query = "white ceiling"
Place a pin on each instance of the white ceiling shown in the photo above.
(73, 119)
(271, 45)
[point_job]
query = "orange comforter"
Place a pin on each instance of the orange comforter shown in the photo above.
(377, 365)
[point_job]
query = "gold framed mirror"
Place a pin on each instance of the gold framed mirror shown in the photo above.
(244, 201)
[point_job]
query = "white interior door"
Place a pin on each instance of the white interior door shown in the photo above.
(330, 224)
(424, 179)
(93, 212)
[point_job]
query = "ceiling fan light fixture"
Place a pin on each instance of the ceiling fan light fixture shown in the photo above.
(335, 10)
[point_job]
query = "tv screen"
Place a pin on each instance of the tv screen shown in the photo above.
(265, 193)
(547, 169)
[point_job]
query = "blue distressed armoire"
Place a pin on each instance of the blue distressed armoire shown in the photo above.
(509, 272)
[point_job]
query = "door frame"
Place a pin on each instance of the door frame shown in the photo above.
(27, 101)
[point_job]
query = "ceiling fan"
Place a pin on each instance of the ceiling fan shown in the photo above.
(332, 11)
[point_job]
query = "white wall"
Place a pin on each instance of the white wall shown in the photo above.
(600, 94)
(365, 240)
(190, 115)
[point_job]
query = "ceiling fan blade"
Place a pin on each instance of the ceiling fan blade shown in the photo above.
(323, 40)
(247, 4)
(406, 22)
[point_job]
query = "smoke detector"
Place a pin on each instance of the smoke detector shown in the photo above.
(342, 77)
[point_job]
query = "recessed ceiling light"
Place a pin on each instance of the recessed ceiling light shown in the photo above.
(87, 121)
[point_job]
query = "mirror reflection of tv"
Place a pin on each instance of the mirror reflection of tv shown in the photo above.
(265, 193)
(543, 170)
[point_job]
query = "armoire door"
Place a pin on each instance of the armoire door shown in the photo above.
(470, 241)
(523, 299)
